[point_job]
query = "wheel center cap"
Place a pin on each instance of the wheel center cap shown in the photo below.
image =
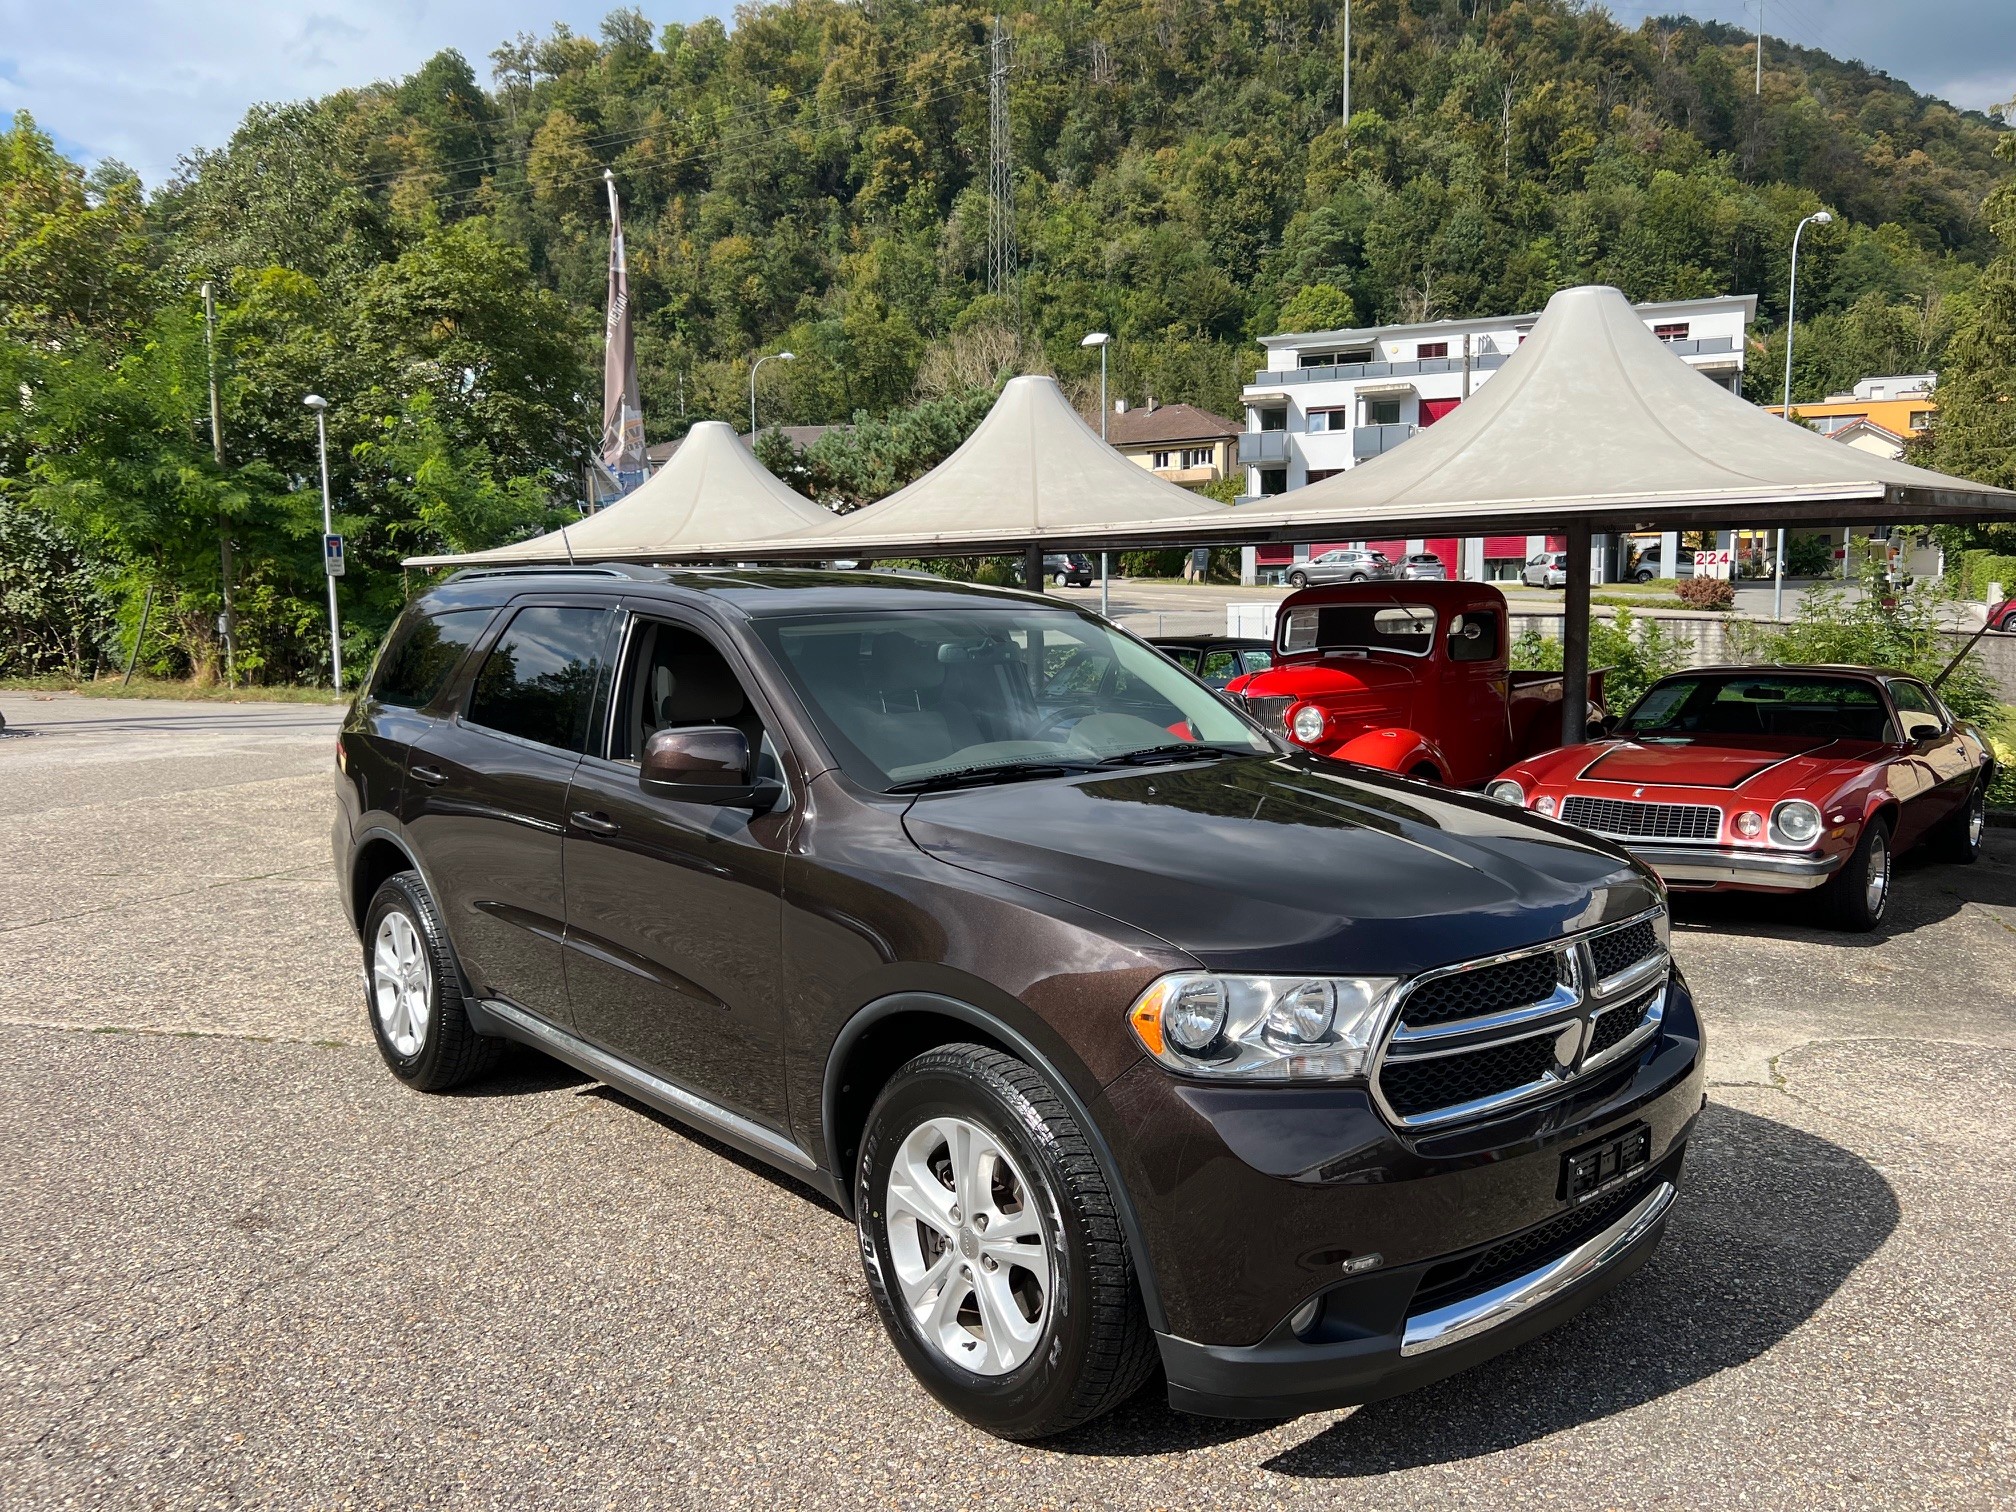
(969, 1244)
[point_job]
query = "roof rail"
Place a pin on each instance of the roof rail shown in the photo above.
(536, 569)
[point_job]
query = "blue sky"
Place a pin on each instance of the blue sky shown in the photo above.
(146, 81)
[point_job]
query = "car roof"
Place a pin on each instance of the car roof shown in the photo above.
(754, 592)
(1795, 669)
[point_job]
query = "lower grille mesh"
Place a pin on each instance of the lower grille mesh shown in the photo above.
(1511, 1257)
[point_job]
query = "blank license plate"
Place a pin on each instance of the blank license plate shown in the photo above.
(1599, 1168)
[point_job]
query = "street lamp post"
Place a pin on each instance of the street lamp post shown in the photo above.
(1817, 218)
(321, 407)
(1102, 341)
(779, 356)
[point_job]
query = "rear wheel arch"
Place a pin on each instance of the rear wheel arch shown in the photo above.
(889, 1032)
(379, 857)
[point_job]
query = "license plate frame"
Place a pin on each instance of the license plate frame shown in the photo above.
(1600, 1167)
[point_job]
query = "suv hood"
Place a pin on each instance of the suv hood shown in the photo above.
(1289, 863)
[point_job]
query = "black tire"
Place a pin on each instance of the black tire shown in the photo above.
(2008, 625)
(1958, 840)
(1644, 577)
(1845, 901)
(1356, 577)
(1298, 580)
(449, 1052)
(1095, 1349)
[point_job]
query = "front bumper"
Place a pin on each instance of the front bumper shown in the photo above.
(1729, 866)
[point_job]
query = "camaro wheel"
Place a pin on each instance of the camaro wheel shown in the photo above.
(1859, 895)
(1959, 839)
(992, 1249)
(413, 991)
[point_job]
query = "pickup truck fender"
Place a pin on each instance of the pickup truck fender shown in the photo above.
(1394, 750)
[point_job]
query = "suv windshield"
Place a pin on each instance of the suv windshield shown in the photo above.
(1801, 707)
(906, 697)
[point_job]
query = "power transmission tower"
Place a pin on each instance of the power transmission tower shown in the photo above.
(1002, 255)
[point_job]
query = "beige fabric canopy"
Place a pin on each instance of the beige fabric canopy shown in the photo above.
(1593, 419)
(712, 490)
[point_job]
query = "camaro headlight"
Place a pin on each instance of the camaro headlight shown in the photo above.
(1795, 822)
(1505, 790)
(1262, 1028)
(1306, 724)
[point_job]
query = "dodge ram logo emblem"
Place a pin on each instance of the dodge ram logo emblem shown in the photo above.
(1567, 1046)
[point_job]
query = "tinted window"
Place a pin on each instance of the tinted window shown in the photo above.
(418, 666)
(538, 681)
(1788, 706)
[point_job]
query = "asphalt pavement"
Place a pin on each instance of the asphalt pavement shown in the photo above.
(243, 1266)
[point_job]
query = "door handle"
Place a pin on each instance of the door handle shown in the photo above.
(594, 823)
(432, 776)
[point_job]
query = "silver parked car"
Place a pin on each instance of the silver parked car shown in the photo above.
(1423, 567)
(1347, 564)
(1546, 569)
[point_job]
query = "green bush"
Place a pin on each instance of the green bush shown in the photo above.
(1152, 564)
(1705, 593)
(1635, 652)
(56, 599)
(1809, 556)
(1973, 571)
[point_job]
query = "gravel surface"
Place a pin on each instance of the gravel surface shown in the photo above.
(242, 1266)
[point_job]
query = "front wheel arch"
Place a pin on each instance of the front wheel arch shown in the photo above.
(922, 1020)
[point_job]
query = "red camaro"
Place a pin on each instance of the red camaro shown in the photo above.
(1774, 779)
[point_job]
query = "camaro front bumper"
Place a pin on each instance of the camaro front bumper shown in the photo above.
(1730, 866)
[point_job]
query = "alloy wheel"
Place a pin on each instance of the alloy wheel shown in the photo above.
(1977, 818)
(1877, 888)
(969, 1246)
(401, 983)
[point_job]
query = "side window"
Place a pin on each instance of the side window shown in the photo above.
(1474, 637)
(1916, 711)
(538, 682)
(417, 668)
(1220, 667)
(674, 679)
(1184, 656)
(1256, 661)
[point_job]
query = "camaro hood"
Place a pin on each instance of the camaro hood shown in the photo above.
(1289, 863)
(1721, 762)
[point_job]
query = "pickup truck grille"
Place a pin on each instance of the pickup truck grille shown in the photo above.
(1269, 713)
(1642, 821)
(1470, 1040)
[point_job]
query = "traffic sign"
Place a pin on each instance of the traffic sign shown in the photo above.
(332, 555)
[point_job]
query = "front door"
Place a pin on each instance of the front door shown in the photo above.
(486, 794)
(674, 909)
(1935, 767)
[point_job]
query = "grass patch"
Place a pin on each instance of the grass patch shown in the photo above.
(188, 692)
(1637, 600)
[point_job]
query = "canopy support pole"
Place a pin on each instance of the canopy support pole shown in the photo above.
(1032, 567)
(1575, 639)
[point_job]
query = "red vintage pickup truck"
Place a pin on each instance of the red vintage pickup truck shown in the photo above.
(1410, 677)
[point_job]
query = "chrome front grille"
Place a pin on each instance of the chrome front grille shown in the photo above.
(1269, 713)
(1626, 820)
(1468, 1041)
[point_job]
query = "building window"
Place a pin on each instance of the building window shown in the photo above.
(1429, 349)
(1324, 420)
(1318, 474)
(1921, 419)
(1828, 424)
(1273, 419)
(1160, 460)
(1677, 331)
(1382, 411)
(1273, 480)
(1199, 456)
(1335, 359)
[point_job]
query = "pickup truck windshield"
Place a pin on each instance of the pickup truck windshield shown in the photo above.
(1810, 708)
(906, 696)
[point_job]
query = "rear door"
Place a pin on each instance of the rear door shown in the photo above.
(674, 909)
(486, 792)
(412, 671)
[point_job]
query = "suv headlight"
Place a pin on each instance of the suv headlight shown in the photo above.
(1795, 822)
(1262, 1028)
(1505, 790)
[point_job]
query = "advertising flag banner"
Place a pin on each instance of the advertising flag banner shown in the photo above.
(622, 405)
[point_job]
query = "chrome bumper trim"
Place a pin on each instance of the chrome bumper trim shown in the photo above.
(1499, 1306)
(1725, 864)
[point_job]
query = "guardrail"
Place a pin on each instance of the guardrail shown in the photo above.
(1257, 448)
(1481, 362)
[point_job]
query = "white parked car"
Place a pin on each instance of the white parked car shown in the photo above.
(1546, 569)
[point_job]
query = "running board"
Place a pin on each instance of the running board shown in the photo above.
(667, 1097)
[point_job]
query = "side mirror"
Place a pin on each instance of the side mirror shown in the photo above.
(703, 764)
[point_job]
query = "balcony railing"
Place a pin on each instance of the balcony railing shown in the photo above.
(1371, 440)
(1482, 362)
(1701, 346)
(1258, 448)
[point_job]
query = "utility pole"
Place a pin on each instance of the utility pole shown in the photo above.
(1817, 218)
(1002, 253)
(320, 406)
(1760, 47)
(1347, 72)
(224, 620)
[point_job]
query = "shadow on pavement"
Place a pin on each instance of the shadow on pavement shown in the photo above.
(779, 1179)
(1771, 1222)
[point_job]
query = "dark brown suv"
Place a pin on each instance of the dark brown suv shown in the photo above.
(1132, 1040)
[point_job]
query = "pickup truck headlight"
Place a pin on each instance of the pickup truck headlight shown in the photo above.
(1795, 822)
(1505, 790)
(1262, 1028)
(1306, 724)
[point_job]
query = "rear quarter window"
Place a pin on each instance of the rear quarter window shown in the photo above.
(417, 666)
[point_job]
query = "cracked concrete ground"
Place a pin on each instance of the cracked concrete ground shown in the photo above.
(242, 1266)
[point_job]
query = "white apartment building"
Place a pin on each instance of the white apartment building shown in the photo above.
(1328, 400)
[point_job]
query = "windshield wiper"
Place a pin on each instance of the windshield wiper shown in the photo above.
(1186, 750)
(1000, 771)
